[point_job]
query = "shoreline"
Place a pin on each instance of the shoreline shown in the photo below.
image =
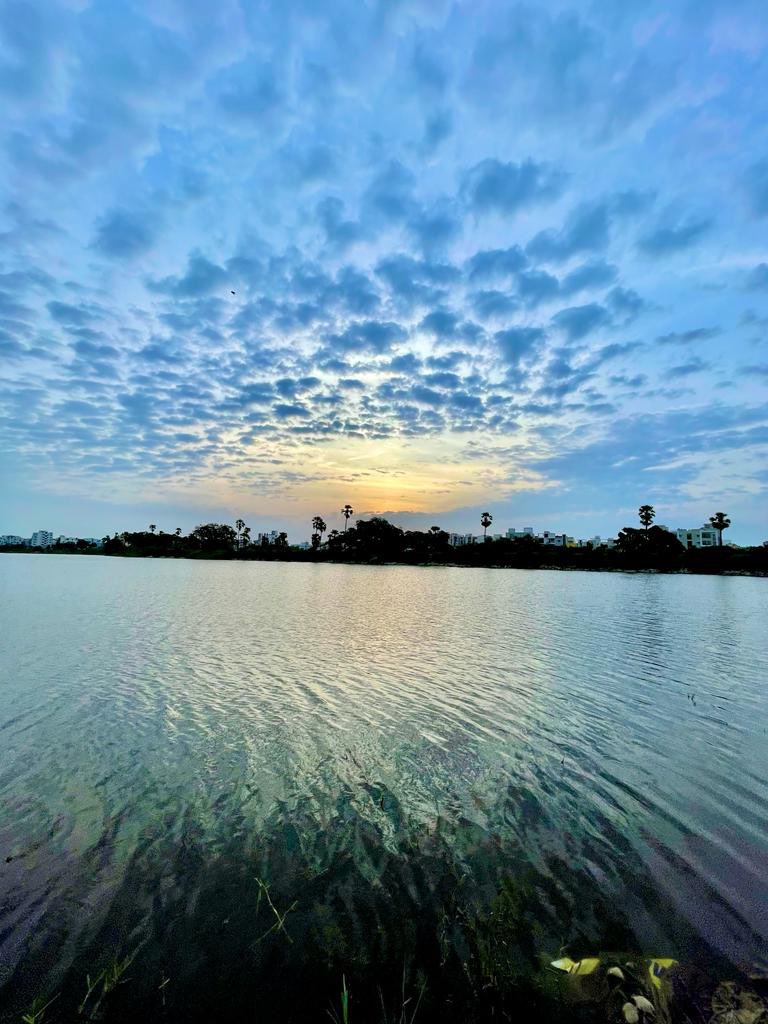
(223, 557)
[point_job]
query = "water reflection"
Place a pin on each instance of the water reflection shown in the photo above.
(391, 750)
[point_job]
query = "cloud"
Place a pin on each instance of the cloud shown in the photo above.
(586, 230)
(756, 188)
(249, 92)
(66, 313)
(625, 303)
(389, 197)
(579, 321)
(428, 69)
(125, 234)
(415, 281)
(683, 370)
(593, 275)
(492, 186)
(757, 279)
(688, 337)
(340, 232)
(440, 323)
(202, 277)
(435, 228)
(296, 158)
(535, 287)
(492, 304)
(496, 264)
(368, 336)
(515, 343)
(680, 234)
(438, 127)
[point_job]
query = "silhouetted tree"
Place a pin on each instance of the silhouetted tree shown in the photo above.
(318, 525)
(213, 537)
(720, 522)
(177, 531)
(485, 521)
(347, 512)
(646, 514)
(152, 527)
(245, 537)
(239, 526)
(652, 542)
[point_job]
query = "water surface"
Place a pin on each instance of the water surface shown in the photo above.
(399, 753)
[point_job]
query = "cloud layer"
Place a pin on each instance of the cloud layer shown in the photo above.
(422, 256)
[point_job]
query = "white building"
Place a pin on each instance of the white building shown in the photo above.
(41, 539)
(10, 538)
(456, 540)
(557, 540)
(512, 533)
(698, 537)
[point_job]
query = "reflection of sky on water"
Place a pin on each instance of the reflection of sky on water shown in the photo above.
(610, 726)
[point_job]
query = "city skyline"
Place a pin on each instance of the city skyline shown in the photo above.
(429, 257)
(457, 536)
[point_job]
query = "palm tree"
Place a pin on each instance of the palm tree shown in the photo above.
(318, 525)
(177, 531)
(720, 522)
(282, 539)
(245, 537)
(646, 514)
(485, 521)
(152, 527)
(347, 512)
(239, 526)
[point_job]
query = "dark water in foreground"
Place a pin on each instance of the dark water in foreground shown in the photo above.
(440, 774)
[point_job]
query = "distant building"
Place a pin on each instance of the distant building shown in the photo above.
(41, 539)
(557, 540)
(698, 537)
(513, 534)
(457, 540)
(6, 539)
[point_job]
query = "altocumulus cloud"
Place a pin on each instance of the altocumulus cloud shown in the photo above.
(232, 243)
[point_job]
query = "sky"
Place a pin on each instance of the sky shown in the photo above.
(429, 258)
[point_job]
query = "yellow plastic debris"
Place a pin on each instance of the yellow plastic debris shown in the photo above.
(656, 968)
(580, 967)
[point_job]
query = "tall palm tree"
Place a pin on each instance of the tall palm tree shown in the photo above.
(485, 521)
(646, 514)
(152, 527)
(720, 522)
(318, 525)
(347, 512)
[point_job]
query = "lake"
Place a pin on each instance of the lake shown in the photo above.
(244, 787)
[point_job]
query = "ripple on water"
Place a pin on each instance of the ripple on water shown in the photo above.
(603, 733)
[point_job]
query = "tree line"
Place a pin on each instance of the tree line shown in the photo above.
(376, 541)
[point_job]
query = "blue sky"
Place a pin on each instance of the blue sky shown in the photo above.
(429, 258)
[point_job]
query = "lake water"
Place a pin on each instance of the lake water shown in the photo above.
(440, 776)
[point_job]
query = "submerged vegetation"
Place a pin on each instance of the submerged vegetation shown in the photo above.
(363, 915)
